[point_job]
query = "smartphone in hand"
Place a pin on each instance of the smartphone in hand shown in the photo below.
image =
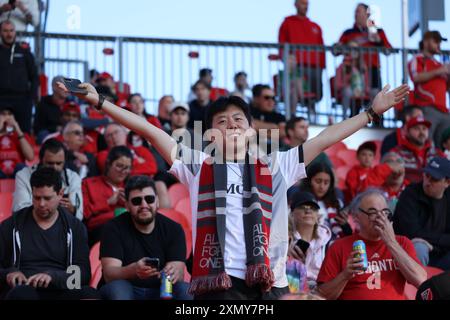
(72, 86)
(152, 262)
(303, 245)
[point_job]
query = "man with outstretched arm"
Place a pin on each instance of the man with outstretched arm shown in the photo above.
(238, 197)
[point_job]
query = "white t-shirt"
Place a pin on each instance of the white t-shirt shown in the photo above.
(286, 168)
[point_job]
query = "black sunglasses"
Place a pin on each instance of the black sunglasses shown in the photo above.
(136, 201)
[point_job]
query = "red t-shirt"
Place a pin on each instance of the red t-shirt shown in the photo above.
(432, 92)
(298, 30)
(381, 281)
(10, 153)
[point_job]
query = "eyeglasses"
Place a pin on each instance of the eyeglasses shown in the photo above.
(372, 213)
(136, 201)
(269, 98)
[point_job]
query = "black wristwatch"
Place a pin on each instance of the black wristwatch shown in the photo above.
(373, 116)
(101, 99)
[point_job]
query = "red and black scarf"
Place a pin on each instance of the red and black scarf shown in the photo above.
(208, 269)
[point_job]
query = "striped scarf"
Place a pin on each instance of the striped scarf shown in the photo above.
(208, 268)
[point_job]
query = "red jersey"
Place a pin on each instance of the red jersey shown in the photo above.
(359, 178)
(361, 37)
(10, 153)
(299, 30)
(430, 93)
(381, 281)
(96, 210)
(147, 167)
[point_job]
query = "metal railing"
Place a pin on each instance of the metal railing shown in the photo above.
(157, 67)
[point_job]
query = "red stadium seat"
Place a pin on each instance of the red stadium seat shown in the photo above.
(411, 291)
(184, 206)
(349, 156)
(378, 154)
(336, 161)
(6, 203)
(341, 174)
(335, 148)
(96, 277)
(7, 185)
(177, 192)
(185, 224)
(94, 258)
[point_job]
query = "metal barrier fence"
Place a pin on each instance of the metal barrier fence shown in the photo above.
(157, 67)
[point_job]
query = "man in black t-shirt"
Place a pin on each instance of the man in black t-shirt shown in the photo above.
(44, 252)
(136, 235)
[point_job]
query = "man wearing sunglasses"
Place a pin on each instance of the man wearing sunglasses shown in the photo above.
(423, 214)
(133, 237)
(391, 259)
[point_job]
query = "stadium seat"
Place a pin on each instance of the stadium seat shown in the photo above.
(341, 174)
(7, 185)
(336, 161)
(349, 156)
(94, 258)
(185, 224)
(6, 203)
(378, 143)
(96, 277)
(177, 192)
(411, 291)
(184, 206)
(331, 151)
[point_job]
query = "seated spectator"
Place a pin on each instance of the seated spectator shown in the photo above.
(392, 182)
(136, 235)
(391, 140)
(373, 37)
(352, 82)
(77, 159)
(103, 196)
(241, 87)
(199, 105)
(320, 182)
(179, 118)
(137, 105)
(143, 161)
(423, 214)
(40, 243)
(416, 148)
(299, 29)
(297, 133)
(22, 13)
(106, 80)
(15, 146)
(52, 154)
(163, 110)
(391, 259)
(445, 143)
(307, 227)
(47, 119)
(366, 174)
(263, 111)
(206, 76)
(431, 83)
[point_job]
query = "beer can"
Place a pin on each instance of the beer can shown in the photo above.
(360, 246)
(166, 287)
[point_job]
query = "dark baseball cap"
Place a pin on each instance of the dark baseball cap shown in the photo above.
(438, 168)
(301, 198)
(436, 35)
(435, 288)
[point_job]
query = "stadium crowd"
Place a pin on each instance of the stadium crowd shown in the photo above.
(85, 182)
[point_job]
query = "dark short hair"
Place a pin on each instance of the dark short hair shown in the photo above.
(259, 88)
(239, 74)
(201, 82)
(290, 125)
(138, 183)
(408, 111)
(46, 177)
(204, 72)
(222, 104)
(117, 153)
(365, 6)
(52, 145)
(133, 95)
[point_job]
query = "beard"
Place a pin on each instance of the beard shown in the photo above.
(144, 221)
